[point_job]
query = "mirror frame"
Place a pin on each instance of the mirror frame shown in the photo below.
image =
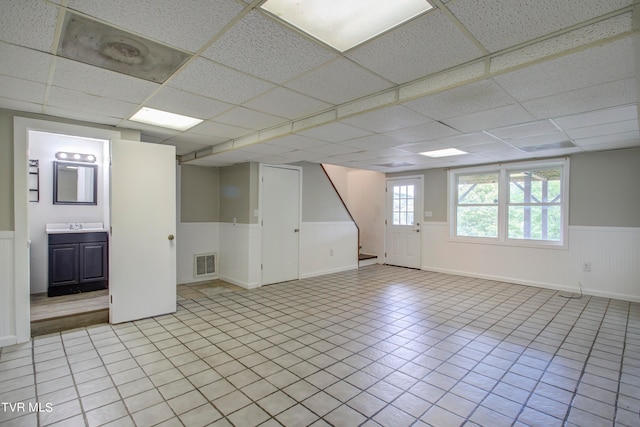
(93, 202)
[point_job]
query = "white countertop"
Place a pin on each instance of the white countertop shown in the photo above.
(75, 227)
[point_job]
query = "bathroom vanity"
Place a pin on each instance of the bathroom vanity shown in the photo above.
(78, 259)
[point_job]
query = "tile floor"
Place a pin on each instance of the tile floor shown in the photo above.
(379, 346)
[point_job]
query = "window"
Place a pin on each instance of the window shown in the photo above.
(523, 203)
(403, 200)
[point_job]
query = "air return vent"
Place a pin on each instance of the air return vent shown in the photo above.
(204, 265)
(552, 146)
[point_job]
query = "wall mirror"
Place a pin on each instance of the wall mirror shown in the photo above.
(75, 184)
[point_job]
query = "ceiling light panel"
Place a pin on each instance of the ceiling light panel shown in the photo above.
(444, 152)
(164, 119)
(343, 24)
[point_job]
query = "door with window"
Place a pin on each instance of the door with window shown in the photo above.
(404, 207)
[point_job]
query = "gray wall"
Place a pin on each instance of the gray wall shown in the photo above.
(320, 202)
(605, 189)
(239, 193)
(199, 194)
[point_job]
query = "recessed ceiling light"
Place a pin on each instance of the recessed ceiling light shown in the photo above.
(343, 24)
(164, 119)
(444, 152)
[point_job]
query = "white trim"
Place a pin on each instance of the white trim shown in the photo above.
(325, 223)
(329, 271)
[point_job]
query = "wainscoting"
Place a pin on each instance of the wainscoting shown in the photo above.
(613, 253)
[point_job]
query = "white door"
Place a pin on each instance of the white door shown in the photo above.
(404, 207)
(142, 248)
(280, 205)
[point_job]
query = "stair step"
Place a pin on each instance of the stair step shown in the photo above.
(362, 257)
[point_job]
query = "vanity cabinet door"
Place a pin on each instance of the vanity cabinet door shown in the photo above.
(63, 264)
(93, 262)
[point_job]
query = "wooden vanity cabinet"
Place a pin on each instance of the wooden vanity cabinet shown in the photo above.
(78, 262)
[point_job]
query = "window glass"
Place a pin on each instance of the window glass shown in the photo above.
(403, 204)
(477, 205)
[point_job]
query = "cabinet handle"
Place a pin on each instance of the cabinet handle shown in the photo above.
(171, 237)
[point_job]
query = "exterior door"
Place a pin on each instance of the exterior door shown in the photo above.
(404, 207)
(143, 225)
(280, 200)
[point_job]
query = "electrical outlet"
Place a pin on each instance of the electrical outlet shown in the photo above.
(586, 267)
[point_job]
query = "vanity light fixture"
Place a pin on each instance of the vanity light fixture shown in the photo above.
(343, 24)
(444, 152)
(164, 119)
(75, 157)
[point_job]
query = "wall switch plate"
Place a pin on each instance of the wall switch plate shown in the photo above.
(586, 267)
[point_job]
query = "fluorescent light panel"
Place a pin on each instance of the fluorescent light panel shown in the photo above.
(343, 24)
(446, 152)
(164, 119)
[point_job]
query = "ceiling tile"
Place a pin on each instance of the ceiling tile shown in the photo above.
(339, 81)
(165, 20)
(613, 140)
(24, 63)
(373, 142)
(266, 149)
(183, 147)
(537, 140)
(604, 129)
(579, 70)
(297, 155)
(22, 90)
(287, 103)
(185, 103)
(470, 98)
(424, 132)
(79, 101)
(499, 24)
(86, 116)
(219, 130)
(387, 119)
(334, 132)
(524, 130)
(502, 116)
(240, 116)
(206, 78)
(201, 140)
(484, 148)
(12, 104)
(607, 95)
(467, 140)
(297, 142)
(609, 115)
(422, 47)
(262, 47)
(37, 16)
(334, 149)
(421, 147)
(96, 81)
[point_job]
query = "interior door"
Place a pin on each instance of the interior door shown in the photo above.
(404, 207)
(280, 200)
(142, 280)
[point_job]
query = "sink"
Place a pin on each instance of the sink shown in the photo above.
(75, 227)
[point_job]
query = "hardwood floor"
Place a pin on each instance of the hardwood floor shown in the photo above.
(55, 314)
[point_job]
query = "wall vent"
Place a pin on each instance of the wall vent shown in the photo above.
(204, 265)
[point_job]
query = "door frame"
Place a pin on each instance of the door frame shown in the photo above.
(261, 167)
(21, 128)
(419, 208)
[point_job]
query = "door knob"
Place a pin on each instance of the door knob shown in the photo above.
(296, 230)
(171, 237)
(417, 231)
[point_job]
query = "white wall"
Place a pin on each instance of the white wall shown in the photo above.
(612, 251)
(239, 254)
(363, 193)
(195, 238)
(327, 247)
(43, 147)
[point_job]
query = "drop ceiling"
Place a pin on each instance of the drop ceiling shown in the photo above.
(499, 79)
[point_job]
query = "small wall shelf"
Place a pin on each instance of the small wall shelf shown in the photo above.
(34, 181)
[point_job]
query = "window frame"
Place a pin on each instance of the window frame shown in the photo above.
(503, 170)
